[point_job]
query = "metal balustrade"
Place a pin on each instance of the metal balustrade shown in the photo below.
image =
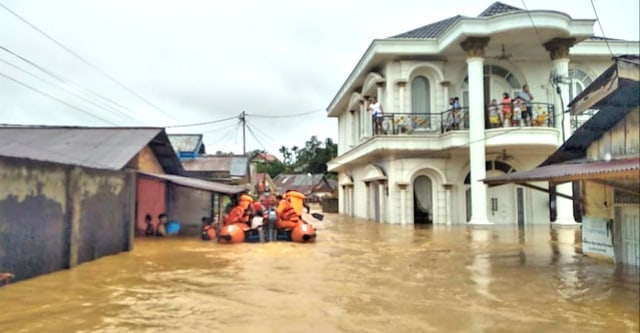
(543, 115)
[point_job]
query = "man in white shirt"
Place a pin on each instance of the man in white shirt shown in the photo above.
(377, 114)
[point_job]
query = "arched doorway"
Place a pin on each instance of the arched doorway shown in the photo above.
(422, 200)
(505, 203)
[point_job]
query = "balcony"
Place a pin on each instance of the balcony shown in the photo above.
(543, 115)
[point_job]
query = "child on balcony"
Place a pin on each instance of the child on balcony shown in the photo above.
(495, 116)
(516, 118)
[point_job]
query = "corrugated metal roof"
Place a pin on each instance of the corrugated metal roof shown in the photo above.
(613, 104)
(95, 147)
(185, 142)
(573, 170)
(198, 183)
(302, 183)
(234, 165)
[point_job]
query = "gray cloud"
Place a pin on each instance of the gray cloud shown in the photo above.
(206, 60)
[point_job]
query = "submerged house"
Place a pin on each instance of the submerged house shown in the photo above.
(74, 194)
(603, 158)
(228, 169)
(313, 186)
(426, 162)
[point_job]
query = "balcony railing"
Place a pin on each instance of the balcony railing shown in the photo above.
(543, 115)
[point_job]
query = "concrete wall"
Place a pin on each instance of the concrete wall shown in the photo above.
(55, 216)
(188, 206)
(146, 161)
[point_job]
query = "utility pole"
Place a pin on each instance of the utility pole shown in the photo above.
(244, 129)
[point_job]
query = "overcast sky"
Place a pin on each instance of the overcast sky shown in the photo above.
(202, 60)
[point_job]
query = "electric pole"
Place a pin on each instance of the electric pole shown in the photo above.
(244, 128)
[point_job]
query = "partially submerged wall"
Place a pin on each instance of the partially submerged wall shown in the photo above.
(55, 216)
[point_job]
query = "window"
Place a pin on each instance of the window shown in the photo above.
(420, 95)
(579, 81)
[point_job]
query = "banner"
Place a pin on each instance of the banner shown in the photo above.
(597, 236)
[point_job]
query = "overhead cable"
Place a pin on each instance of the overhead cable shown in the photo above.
(55, 98)
(86, 62)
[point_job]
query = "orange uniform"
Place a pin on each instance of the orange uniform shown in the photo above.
(287, 216)
(290, 210)
(240, 214)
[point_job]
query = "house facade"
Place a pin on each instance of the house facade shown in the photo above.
(425, 163)
(603, 158)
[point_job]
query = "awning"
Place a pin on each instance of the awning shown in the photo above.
(198, 183)
(627, 169)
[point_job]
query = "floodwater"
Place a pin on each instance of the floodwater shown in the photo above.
(359, 277)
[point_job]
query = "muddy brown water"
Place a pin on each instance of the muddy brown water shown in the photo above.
(359, 277)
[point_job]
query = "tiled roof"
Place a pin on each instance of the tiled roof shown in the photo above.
(435, 30)
(498, 8)
(430, 31)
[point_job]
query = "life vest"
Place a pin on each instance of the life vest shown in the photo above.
(236, 215)
(208, 233)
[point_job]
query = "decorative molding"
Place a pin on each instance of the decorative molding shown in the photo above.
(474, 46)
(447, 186)
(445, 84)
(558, 48)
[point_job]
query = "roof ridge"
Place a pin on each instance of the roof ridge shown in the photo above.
(498, 8)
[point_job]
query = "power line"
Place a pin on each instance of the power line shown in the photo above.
(602, 30)
(62, 79)
(256, 137)
(202, 123)
(285, 115)
(86, 62)
(104, 107)
(532, 22)
(55, 98)
(267, 136)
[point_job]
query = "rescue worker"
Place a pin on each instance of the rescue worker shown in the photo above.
(208, 231)
(266, 199)
(289, 210)
(241, 213)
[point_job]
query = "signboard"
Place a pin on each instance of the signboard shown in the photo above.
(597, 236)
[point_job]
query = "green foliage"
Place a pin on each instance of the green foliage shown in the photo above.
(312, 158)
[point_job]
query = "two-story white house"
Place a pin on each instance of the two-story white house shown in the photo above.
(427, 164)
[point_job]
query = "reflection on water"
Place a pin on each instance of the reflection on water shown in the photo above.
(359, 277)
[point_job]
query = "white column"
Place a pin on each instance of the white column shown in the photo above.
(561, 69)
(363, 117)
(381, 201)
(403, 203)
(445, 94)
(367, 130)
(402, 86)
(447, 206)
(476, 138)
(559, 51)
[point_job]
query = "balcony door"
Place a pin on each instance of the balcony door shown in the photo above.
(497, 80)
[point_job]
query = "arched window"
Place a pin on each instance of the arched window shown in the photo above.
(579, 81)
(420, 95)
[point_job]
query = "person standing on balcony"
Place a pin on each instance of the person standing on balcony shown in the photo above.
(377, 114)
(516, 117)
(495, 116)
(527, 108)
(506, 109)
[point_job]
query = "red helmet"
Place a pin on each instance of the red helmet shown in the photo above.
(303, 233)
(231, 233)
